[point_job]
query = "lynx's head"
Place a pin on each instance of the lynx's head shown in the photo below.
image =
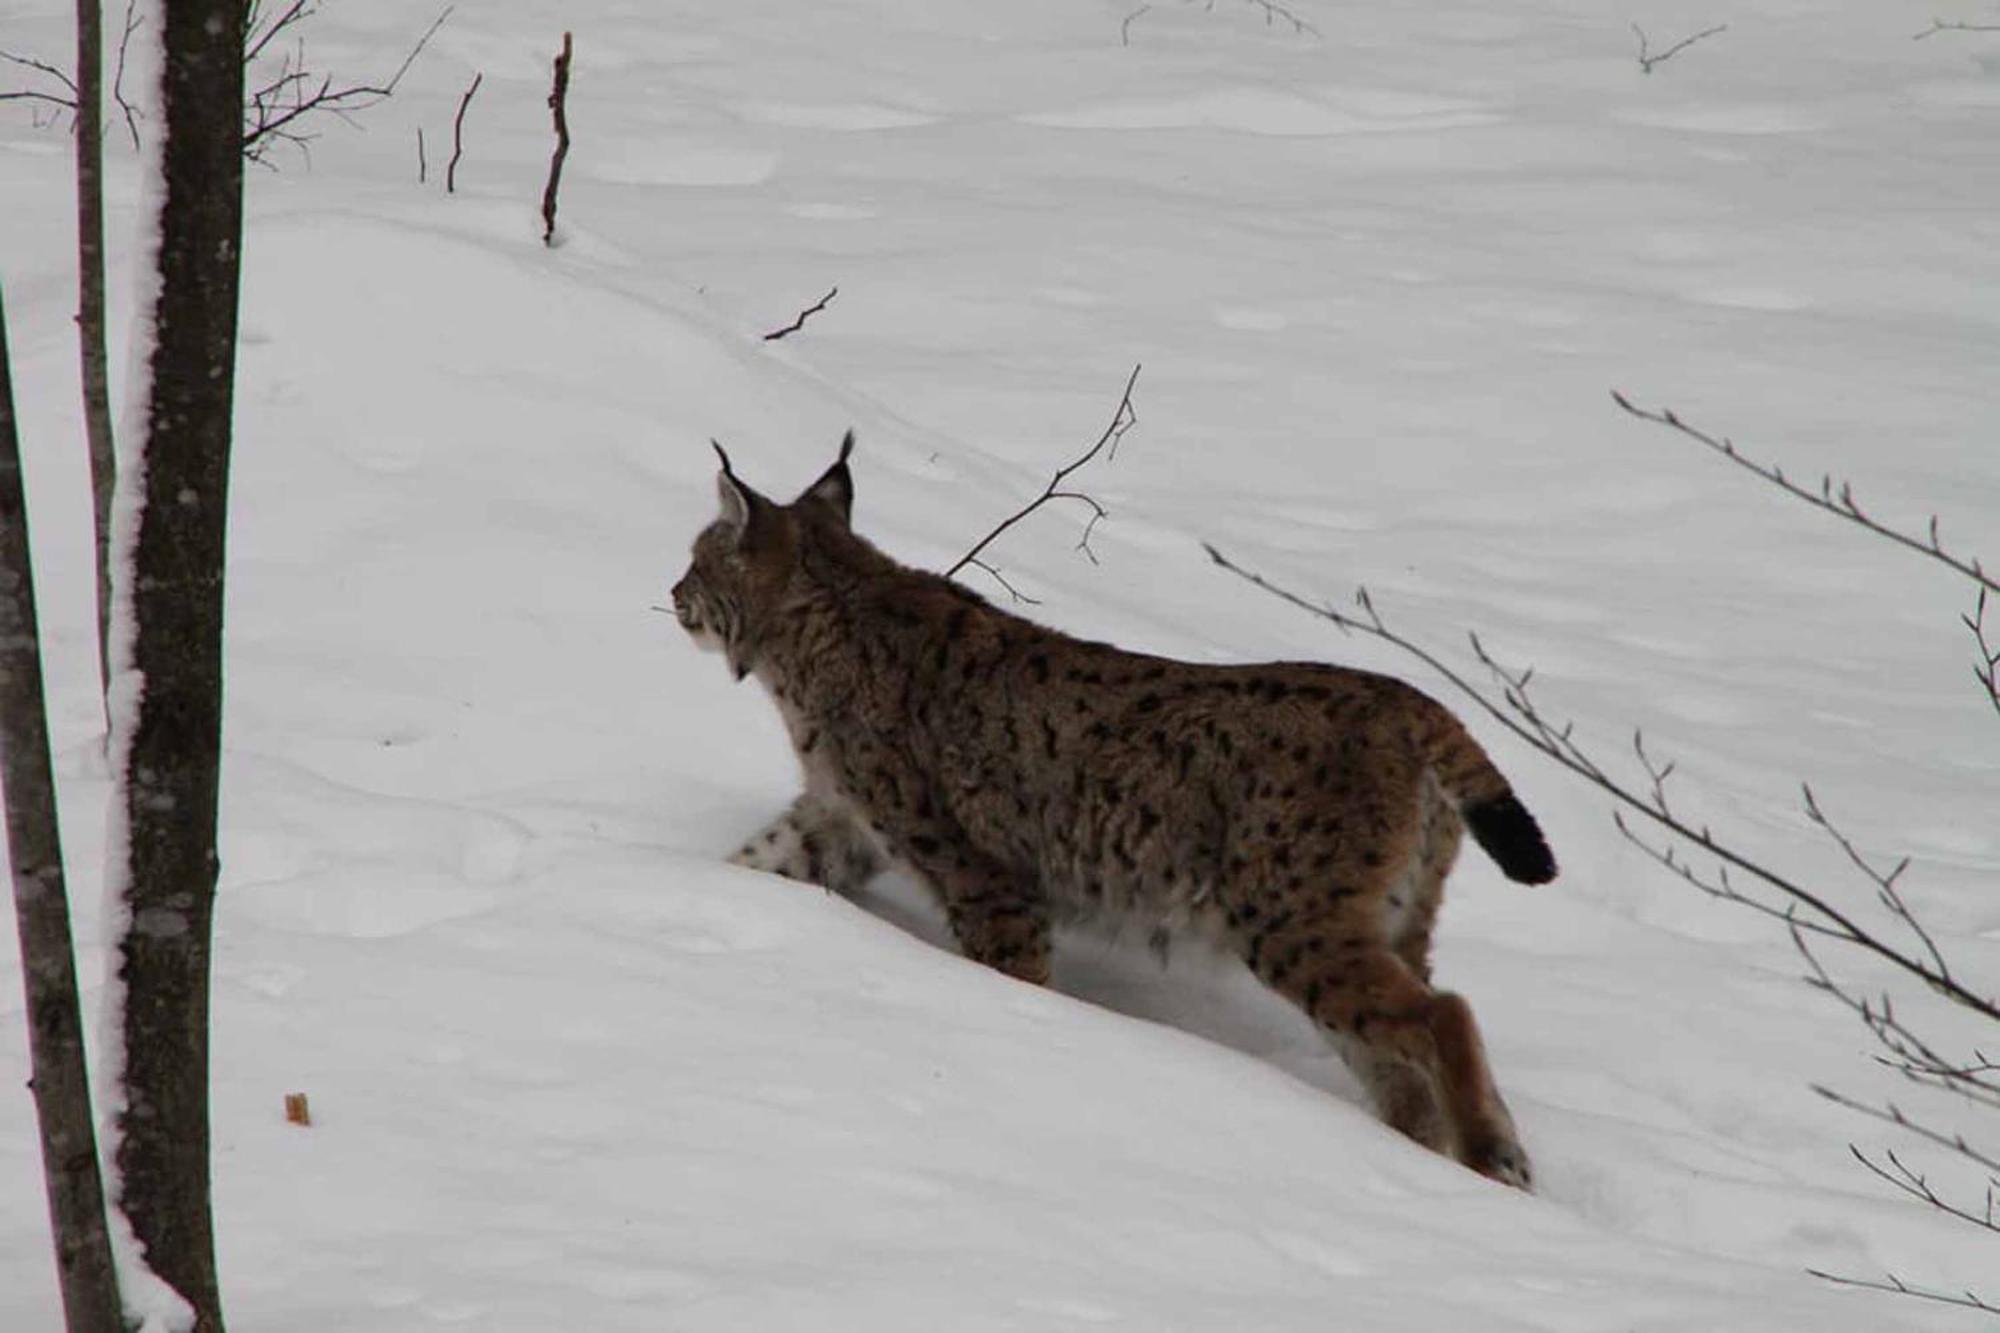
(744, 562)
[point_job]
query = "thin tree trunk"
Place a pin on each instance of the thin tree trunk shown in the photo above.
(61, 1080)
(170, 765)
(90, 303)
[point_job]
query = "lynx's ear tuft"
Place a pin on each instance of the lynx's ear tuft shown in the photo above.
(740, 504)
(835, 488)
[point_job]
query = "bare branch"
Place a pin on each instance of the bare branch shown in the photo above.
(1939, 25)
(1914, 1183)
(1988, 670)
(133, 22)
(1273, 13)
(799, 321)
(43, 66)
(1125, 28)
(1647, 60)
(1836, 500)
(1518, 713)
(1122, 420)
(273, 111)
(1892, 1283)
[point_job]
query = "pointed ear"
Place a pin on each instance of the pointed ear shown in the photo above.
(740, 504)
(835, 488)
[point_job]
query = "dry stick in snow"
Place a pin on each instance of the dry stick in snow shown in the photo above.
(559, 105)
(60, 1080)
(423, 167)
(1122, 420)
(458, 136)
(800, 321)
(1647, 60)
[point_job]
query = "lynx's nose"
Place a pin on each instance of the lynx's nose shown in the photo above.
(684, 607)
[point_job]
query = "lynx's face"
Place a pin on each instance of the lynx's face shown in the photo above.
(743, 561)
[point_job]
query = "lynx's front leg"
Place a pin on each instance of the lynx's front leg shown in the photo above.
(816, 841)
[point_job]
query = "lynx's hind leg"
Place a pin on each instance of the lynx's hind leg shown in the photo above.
(816, 841)
(1417, 1050)
(1413, 900)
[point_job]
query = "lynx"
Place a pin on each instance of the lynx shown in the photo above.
(1303, 815)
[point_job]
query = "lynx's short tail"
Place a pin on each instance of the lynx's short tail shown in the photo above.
(1496, 818)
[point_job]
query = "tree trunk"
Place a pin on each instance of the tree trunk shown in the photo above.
(60, 1080)
(169, 765)
(90, 303)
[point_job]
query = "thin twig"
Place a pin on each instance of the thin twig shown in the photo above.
(1988, 670)
(1122, 420)
(29, 62)
(559, 106)
(799, 321)
(1274, 12)
(1892, 1283)
(272, 110)
(1519, 715)
(1917, 1185)
(1939, 25)
(1125, 28)
(133, 22)
(1836, 499)
(423, 166)
(1647, 61)
(458, 134)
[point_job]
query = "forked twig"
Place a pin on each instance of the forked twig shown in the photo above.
(1647, 60)
(1122, 420)
(273, 111)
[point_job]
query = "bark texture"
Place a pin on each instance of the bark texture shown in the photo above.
(61, 1080)
(90, 304)
(171, 762)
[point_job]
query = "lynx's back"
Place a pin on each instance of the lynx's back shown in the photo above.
(1304, 815)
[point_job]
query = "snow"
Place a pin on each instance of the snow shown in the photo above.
(565, 1065)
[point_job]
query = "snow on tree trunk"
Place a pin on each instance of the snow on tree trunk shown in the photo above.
(167, 702)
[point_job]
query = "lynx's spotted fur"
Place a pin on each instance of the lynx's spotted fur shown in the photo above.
(1304, 814)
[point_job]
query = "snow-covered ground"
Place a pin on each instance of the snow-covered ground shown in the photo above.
(569, 1070)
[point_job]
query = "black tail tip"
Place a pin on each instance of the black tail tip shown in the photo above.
(1512, 838)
